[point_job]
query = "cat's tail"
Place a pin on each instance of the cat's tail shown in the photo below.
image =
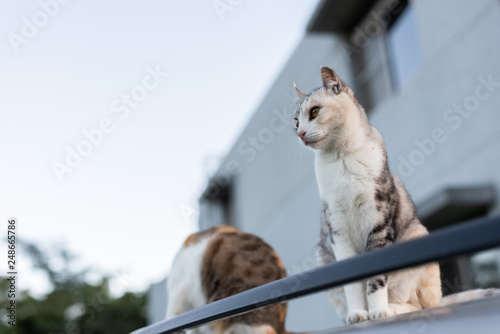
(469, 295)
(429, 290)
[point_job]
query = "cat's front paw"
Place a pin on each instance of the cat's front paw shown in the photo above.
(356, 316)
(381, 312)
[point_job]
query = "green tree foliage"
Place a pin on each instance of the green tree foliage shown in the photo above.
(74, 306)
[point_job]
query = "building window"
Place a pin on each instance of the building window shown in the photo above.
(403, 45)
(485, 269)
(216, 204)
(384, 51)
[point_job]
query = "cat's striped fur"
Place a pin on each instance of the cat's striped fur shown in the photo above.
(365, 207)
(221, 262)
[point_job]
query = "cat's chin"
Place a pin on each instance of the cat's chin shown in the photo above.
(314, 144)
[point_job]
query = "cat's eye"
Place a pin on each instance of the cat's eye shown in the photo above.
(314, 113)
(296, 122)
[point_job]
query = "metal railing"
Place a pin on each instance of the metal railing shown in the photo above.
(461, 239)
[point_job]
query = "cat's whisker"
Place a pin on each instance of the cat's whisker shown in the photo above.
(290, 103)
(291, 99)
(296, 152)
(301, 152)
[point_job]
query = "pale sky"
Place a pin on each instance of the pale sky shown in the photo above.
(120, 208)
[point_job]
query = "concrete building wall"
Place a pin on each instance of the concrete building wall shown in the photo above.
(157, 302)
(462, 55)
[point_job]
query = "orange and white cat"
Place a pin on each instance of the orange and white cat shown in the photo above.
(221, 262)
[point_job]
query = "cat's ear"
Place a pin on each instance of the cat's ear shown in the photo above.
(331, 80)
(297, 90)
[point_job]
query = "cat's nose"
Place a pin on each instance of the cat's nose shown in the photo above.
(301, 134)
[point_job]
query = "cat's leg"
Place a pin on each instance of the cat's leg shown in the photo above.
(324, 255)
(428, 284)
(356, 308)
(402, 291)
(184, 291)
(178, 302)
(354, 292)
(376, 287)
(377, 297)
(179, 287)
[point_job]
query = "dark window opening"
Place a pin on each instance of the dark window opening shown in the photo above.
(402, 42)
(384, 51)
(452, 206)
(216, 204)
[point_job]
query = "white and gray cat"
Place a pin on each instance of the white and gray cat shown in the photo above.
(365, 207)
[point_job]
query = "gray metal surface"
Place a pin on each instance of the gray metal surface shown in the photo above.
(475, 317)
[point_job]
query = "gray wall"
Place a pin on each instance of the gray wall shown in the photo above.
(275, 194)
(460, 44)
(157, 302)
